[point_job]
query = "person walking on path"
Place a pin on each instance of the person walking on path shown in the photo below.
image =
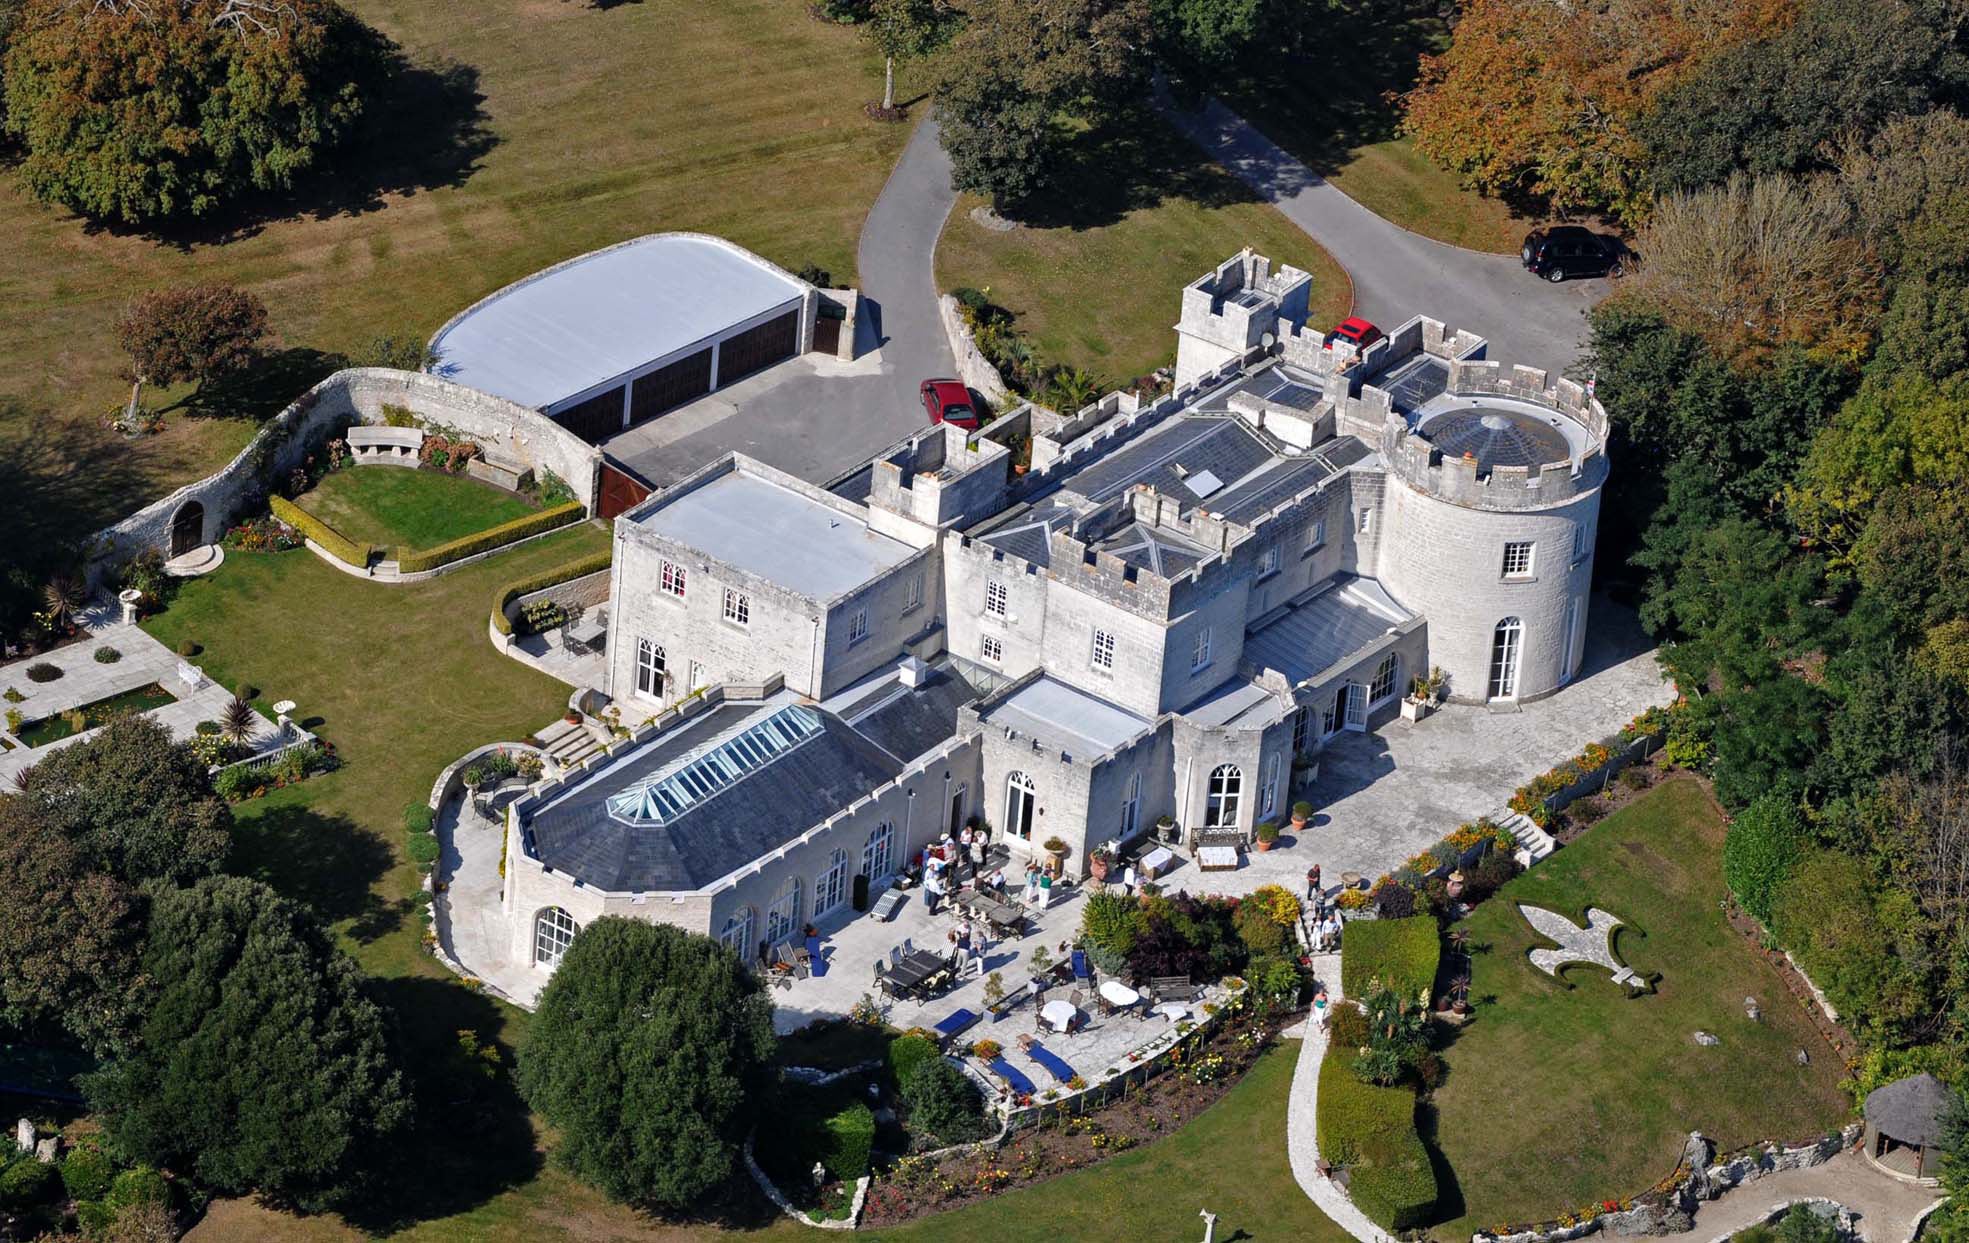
(1313, 892)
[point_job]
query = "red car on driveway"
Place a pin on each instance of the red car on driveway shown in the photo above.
(1356, 332)
(948, 401)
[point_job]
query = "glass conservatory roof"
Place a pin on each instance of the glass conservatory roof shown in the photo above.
(669, 794)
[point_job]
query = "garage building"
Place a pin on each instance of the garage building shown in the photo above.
(612, 338)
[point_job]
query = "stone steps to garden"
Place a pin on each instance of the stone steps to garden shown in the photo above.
(1534, 843)
(568, 745)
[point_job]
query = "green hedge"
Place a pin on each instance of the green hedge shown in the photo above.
(1371, 1130)
(336, 544)
(846, 1140)
(906, 1053)
(509, 592)
(491, 537)
(1403, 953)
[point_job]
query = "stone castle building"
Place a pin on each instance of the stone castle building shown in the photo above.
(1067, 626)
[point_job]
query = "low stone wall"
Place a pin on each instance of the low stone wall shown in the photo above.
(1668, 1207)
(849, 301)
(972, 366)
(589, 591)
(509, 431)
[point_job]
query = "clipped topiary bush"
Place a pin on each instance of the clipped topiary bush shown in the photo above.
(846, 1139)
(107, 655)
(42, 671)
(188, 649)
(418, 818)
(1371, 1130)
(333, 542)
(1759, 850)
(142, 1185)
(906, 1053)
(1402, 953)
(423, 850)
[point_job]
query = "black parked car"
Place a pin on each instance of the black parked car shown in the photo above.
(1569, 250)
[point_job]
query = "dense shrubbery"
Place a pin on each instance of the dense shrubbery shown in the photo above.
(1184, 935)
(906, 1053)
(1758, 852)
(944, 1102)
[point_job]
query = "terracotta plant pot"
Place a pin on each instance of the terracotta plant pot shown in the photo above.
(1098, 867)
(572, 718)
(1264, 845)
(1298, 824)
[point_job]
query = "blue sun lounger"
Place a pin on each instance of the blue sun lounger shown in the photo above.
(955, 1024)
(1011, 1075)
(1050, 1062)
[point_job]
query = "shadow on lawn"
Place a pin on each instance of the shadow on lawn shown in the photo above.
(473, 1136)
(327, 861)
(1129, 162)
(264, 389)
(59, 480)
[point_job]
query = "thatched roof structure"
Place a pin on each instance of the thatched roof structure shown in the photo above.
(1909, 1110)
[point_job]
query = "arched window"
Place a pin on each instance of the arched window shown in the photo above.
(737, 933)
(831, 886)
(553, 932)
(1020, 793)
(1505, 643)
(1226, 786)
(878, 854)
(650, 667)
(783, 916)
(1384, 679)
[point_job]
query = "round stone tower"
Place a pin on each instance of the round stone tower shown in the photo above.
(1492, 505)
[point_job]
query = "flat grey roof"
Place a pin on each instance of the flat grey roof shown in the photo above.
(768, 529)
(1237, 701)
(1066, 719)
(565, 330)
(1310, 638)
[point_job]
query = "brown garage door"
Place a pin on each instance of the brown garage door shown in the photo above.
(670, 386)
(757, 347)
(596, 419)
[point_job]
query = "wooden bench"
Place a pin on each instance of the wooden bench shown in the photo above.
(395, 446)
(1173, 988)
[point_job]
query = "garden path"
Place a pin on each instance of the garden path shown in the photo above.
(1302, 1117)
(1888, 1208)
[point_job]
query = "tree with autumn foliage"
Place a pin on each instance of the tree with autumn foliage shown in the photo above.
(193, 332)
(1535, 101)
(140, 111)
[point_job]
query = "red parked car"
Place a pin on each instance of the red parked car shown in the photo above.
(948, 401)
(1356, 332)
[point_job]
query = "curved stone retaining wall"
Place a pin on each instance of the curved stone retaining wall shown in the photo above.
(357, 395)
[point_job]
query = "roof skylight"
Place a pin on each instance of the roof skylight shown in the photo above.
(663, 798)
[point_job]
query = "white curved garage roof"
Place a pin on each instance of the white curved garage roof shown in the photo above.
(563, 331)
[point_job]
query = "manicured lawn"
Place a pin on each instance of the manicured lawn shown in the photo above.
(1101, 286)
(536, 130)
(1231, 1160)
(1558, 1097)
(392, 506)
(1330, 108)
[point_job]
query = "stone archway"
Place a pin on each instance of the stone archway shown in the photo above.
(187, 529)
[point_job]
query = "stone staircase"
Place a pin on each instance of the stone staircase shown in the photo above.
(1534, 843)
(568, 745)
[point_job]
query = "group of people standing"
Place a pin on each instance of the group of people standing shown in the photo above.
(1323, 918)
(947, 864)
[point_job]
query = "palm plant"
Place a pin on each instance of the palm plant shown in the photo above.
(1072, 388)
(63, 596)
(236, 723)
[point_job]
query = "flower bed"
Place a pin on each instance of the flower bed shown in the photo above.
(249, 779)
(1542, 798)
(90, 715)
(1113, 1116)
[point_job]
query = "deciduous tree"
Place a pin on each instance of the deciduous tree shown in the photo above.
(264, 1064)
(649, 1051)
(905, 30)
(139, 111)
(192, 332)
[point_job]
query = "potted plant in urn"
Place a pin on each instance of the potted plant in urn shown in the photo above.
(1301, 813)
(1267, 835)
(1056, 851)
(1101, 861)
(1425, 694)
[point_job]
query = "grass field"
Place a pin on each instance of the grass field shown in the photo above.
(411, 509)
(1597, 1091)
(533, 130)
(1331, 107)
(1100, 286)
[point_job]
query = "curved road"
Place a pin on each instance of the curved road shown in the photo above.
(1398, 273)
(897, 257)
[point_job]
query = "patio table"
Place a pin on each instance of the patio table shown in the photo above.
(1002, 916)
(1119, 995)
(591, 629)
(1157, 861)
(914, 971)
(1059, 1015)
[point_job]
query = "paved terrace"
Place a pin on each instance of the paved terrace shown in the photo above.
(1383, 796)
(84, 681)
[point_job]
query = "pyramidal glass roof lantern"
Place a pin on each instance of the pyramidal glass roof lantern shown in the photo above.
(666, 796)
